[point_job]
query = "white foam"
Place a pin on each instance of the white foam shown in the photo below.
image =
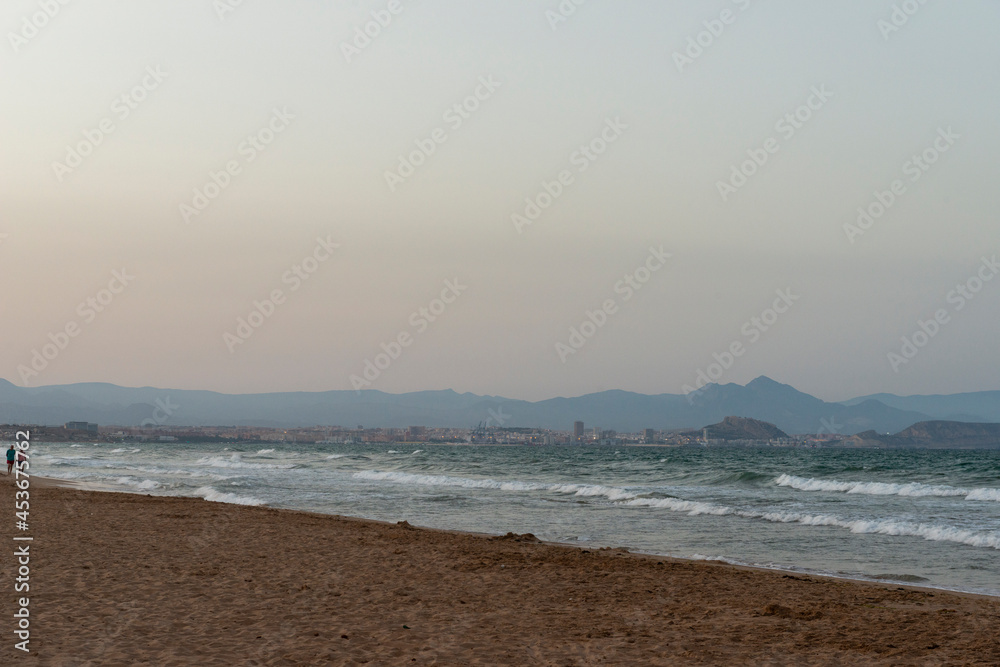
(892, 527)
(208, 493)
(236, 461)
(984, 494)
(580, 490)
(261, 452)
(144, 485)
(930, 532)
(153, 470)
(690, 507)
(589, 490)
(911, 489)
(62, 460)
(336, 456)
(444, 480)
(417, 451)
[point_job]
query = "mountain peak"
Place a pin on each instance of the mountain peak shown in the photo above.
(764, 382)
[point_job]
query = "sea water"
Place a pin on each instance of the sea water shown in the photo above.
(918, 517)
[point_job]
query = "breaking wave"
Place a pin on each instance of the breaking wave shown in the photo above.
(236, 461)
(631, 498)
(892, 527)
(144, 485)
(210, 494)
(580, 490)
(911, 489)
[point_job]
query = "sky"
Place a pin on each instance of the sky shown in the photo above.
(512, 198)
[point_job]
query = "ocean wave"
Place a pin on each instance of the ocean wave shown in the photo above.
(335, 456)
(690, 507)
(236, 461)
(589, 490)
(144, 485)
(579, 490)
(68, 475)
(60, 460)
(745, 477)
(910, 489)
(984, 494)
(120, 467)
(261, 452)
(934, 533)
(444, 480)
(210, 494)
(892, 527)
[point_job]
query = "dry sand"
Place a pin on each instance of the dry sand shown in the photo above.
(122, 579)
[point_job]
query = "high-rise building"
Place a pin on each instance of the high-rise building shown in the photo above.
(650, 436)
(577, 431)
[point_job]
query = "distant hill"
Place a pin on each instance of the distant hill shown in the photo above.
(763, 399)
(976, 406)
(741, 428)
(794, 411)
(932, 435)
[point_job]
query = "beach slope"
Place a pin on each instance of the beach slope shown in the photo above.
(122, 579)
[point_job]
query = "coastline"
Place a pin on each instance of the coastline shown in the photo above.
(128, 578)
(787, 570)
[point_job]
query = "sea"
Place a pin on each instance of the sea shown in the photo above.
(928, 518)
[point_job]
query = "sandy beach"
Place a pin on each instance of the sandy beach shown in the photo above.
(120, 579)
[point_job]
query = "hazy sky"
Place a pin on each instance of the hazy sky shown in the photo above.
(621, 121)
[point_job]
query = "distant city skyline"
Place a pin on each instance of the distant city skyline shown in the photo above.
(520, 199)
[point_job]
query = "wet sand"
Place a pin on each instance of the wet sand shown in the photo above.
(119, 579)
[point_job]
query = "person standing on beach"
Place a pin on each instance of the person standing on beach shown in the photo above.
(11, 456)
(21, 460)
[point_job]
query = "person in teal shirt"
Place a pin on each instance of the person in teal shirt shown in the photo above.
(11, 457)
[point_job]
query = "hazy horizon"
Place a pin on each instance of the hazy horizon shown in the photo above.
(459, 197)
(487, 395)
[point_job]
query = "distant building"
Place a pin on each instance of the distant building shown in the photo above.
(577, 431)
(81, 426)
(649, 435)
(417, 431)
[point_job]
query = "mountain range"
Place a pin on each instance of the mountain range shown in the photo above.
(932, 435)
(764, 399)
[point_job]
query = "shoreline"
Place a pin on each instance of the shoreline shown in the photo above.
(126, 578)
(887, 583)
